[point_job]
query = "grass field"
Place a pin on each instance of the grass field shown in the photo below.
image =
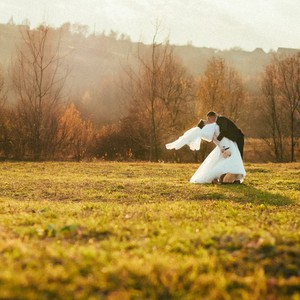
(142, 231)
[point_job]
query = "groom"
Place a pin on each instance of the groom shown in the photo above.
(227, 129)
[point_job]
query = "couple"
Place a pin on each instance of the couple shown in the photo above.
(224, 164)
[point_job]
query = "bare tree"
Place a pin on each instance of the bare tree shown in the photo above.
(4, 138)
(159, 90)
(281, 90)
(289, 90)
(273, 113)
(177, 92)
(151, 70)
(2, 94)
(39, 77)
(221, 89)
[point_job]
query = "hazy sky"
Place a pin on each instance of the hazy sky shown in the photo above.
(220, 24)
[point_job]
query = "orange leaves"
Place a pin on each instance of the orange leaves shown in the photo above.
(75, 133)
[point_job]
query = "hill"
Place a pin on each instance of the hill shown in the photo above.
(94, 58)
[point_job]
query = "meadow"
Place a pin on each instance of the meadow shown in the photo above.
(108, 230)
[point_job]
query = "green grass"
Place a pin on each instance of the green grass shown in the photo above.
(142, 231)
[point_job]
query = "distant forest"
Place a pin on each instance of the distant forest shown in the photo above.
(69, 94)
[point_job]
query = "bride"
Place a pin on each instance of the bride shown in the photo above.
(224, 164)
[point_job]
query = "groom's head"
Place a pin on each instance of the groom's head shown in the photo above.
(211, 117)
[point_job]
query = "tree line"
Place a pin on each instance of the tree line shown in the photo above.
(158, 99)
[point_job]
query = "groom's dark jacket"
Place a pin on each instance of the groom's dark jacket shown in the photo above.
(228, 129)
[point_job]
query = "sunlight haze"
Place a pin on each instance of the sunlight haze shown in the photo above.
(221, 24)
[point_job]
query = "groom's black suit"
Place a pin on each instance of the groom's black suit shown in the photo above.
(231, 131)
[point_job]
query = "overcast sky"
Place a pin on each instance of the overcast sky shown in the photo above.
(221, 24)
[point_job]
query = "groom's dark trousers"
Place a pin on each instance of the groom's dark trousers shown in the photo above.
(231, 131)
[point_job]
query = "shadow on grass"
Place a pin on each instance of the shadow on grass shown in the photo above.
(258, 196)
(245, 193)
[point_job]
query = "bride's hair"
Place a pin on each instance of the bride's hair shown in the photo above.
(211, 114)
(201, 124)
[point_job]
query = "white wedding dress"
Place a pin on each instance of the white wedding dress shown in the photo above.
(215, 164)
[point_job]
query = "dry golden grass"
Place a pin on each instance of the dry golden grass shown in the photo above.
(142, 231)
